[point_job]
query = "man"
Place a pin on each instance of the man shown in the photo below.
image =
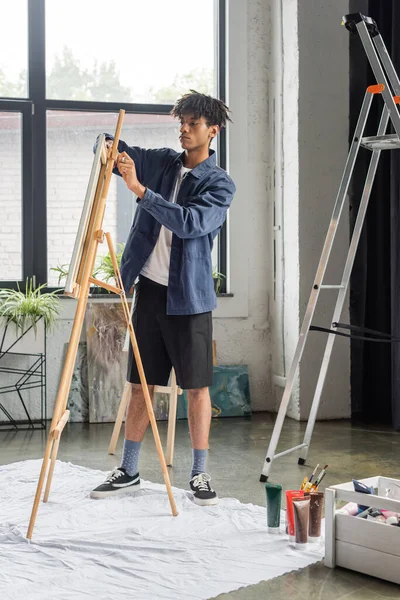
(182, 201)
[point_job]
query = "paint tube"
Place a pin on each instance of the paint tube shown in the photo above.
(290, 494)
(351, 508)
(389, 513)
(316, 504)
(364, 514)
(274, 499)
(363, 489)
(372, 514)
(301, 508)
(376, 515)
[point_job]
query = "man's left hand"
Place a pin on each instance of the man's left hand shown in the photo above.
(126, 166)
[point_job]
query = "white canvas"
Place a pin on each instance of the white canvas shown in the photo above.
(85, 216)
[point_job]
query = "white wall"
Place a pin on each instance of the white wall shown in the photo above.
(323, 147)
(315, 134)
(241, 325)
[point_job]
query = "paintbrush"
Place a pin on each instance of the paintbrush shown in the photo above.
(313, 474)
(320, 476)
(303, 484)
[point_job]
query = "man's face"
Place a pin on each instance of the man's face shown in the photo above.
(195, 133)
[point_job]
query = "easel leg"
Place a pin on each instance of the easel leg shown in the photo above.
(39, 487)
(173, 401)
(120, 417)
(60, 414)
(142, 376)
(54, 453)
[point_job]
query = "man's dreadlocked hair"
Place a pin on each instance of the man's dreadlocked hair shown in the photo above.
(199, 105)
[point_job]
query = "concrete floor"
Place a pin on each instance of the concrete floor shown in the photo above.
(238, 448)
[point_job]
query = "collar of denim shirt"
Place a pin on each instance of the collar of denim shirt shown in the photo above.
(202, 167)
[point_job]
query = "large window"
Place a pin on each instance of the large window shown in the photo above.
(68, 85)
(14, 49)
(146, 52)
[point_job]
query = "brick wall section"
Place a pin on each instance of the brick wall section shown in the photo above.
(10, 205)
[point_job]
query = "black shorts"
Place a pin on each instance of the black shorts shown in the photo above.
(165, 341)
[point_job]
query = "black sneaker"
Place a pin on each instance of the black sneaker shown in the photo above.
(203, 494)
(117, 483)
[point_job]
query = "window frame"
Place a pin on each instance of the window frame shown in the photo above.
(34, 234)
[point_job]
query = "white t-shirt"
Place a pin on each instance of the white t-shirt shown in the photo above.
(156, 267)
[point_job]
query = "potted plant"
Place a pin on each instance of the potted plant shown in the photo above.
(23, 311)
(218, 277)
(103, 270)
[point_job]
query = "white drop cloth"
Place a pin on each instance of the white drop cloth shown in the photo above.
(131, 547)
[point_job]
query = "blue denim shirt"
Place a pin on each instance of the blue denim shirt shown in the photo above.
(195, 220)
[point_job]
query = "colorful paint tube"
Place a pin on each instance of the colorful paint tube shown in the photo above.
(351, 508)
(301, 508)
(274, 499)
(290, 494)
(362, 489)
(314, 528)
(376, 516)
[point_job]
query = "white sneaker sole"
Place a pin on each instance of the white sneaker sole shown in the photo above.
(130, 489)
(205, 502)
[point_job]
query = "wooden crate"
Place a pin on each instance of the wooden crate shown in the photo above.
(358, 544)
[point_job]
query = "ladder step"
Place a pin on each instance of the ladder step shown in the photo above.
(381, 142)
(332, 287)
(290, 450)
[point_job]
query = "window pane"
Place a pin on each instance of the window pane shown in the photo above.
(70, 138)
(10, 197)
(13, 49)
(145, 52)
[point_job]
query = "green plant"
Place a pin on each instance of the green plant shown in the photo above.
(26, 308)
(62, 271)
(218, 277)
(104, 269)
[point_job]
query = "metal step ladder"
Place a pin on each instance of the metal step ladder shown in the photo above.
(388, 86)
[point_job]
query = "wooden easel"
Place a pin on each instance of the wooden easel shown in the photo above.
(94, 236)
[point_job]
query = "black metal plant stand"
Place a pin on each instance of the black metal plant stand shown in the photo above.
(28, 378)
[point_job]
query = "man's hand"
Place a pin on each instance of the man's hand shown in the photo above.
(126, 167)
(109, 144)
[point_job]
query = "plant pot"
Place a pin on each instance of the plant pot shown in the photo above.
(17, 341)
